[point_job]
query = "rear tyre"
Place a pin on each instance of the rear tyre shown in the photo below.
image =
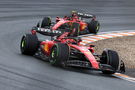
(93, 27)
(75, 29)
(46, 22)
(59, 54)
(29, 44)
(111, 58)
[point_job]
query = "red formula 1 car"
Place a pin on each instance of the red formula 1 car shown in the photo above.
(87, 26)
(66, 51)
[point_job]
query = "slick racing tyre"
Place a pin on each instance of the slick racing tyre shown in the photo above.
(29, 44)
(46, 22)
(93, 27)
(75, 28)
(59, 54)
(111, 58)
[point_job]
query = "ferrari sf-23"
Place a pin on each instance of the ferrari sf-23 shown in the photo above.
(65, 50)
(87, 23)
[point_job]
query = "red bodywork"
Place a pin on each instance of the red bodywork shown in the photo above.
(88, 55)
(46, 47)
(69, 21)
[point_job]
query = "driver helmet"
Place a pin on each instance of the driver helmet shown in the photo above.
(74, 13)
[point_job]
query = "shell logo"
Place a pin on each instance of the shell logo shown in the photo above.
(83, 26)
(46, 47)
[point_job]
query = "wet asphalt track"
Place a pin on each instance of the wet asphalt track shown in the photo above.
(19, 72)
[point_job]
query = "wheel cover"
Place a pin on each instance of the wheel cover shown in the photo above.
(97, 28)
(23, 43)
(53, 55)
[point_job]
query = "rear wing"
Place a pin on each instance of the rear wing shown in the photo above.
(85, 15)
(47, 32)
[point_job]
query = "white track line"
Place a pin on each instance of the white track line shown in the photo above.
(125, 77)
(109, 32)
(89, 38)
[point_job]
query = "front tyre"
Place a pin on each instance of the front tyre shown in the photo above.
(29, 44)
(59, 54)
(93, 27)
(111, 58)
